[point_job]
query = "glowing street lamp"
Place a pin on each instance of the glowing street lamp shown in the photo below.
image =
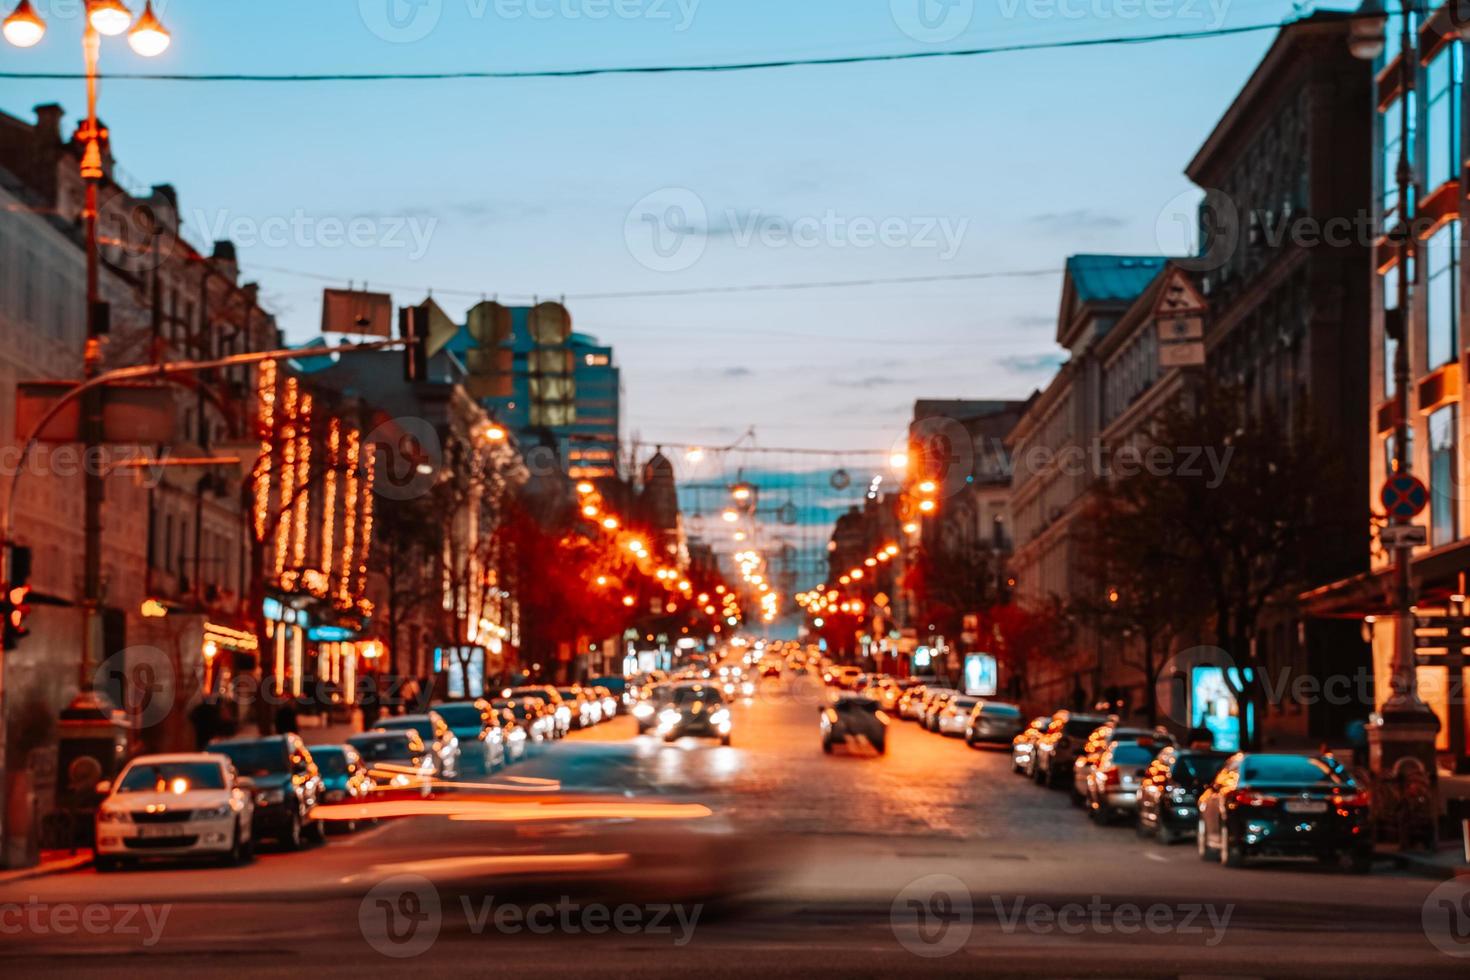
(109, 17)
(150, 39)
(24, 28)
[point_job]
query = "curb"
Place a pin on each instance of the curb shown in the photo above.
(42, 870)
(1421, 867)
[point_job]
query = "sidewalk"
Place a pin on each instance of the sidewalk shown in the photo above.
(52, 862)
(1446, 862)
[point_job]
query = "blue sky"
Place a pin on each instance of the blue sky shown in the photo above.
(547, 187)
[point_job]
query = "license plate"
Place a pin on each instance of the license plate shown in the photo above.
(152, 832)
(1306, 806)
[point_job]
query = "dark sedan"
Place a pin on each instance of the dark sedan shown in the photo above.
(288, 786)
(345, 778)
(696, 709)
(853, 719)
(993, 721)
(1168, 801)
(1283, 805)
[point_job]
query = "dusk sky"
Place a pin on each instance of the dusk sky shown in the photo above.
(554, 187)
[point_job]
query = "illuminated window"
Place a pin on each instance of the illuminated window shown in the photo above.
(1442, 116)
(598, 360)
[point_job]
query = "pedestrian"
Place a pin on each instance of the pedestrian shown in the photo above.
(286, 718)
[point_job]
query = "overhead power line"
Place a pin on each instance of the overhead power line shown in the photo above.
(736, 66)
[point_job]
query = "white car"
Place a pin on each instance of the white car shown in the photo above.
(954, 717)
(182, 805)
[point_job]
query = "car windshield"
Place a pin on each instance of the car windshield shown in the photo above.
(1290, 769)
(461, 715)
(1080, 726)
(690, 695)
(423, 726)
(171, 777)
(329, 761)
(1132, 754)
(385, 746)
(1006, 710)
(1196, 770)
(263, 758)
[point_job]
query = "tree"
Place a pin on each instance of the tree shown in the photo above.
(1219, 541)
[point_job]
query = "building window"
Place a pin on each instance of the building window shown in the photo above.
(1442, 116)
(1390, 346)
(1442, 266)
(1444, 523)
(1390, 158)
(1392, 32)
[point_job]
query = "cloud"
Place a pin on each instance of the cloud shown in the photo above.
(736, 372)
(1078, 219)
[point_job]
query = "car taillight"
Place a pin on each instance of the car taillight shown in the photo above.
(1359, 798)
(1111, 777)
(1247, 797)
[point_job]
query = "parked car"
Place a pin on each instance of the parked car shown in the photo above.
(695, 709)
(1168, 800)
(345, 779)
(182, 805)
(586, 710)
(934, 703)
(911, 702)
(287, 784)
(608, 700)
(842, 678)
(954, 717)
(1057, 750)
(561, 713)
(885, 692)
(399, 762)
(532, 717)
(1112, 789)
(1101, 739)
(437, 735)
(477, 726)
(992, 721)
(1281, 804)
(1023, 746)
(854, 717)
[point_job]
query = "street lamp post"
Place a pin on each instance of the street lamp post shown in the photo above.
(1406, 726)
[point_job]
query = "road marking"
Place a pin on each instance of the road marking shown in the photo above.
(1153, 856)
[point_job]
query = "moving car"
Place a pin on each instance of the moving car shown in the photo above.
(586, 709)
(645, 712)
(181, 805)
(1168, 800)
(1112, 788)
(399, 762)
(1023, 746)
(482, 738)
(561, 712)
(288, 786)
(345, 779)
(844, 678)
(1057, 750)
(437, 735)
(532, 716)
(1281, 804)
(853, 718)
(992, 721)
(695, 709)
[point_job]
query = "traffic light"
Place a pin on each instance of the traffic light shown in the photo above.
(413, 327)
(15, 604)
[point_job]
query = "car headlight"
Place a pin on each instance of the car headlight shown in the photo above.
(213, 813)
(668, 716)
(266, 797)
(643, 710)
(719, 716)
(114, 816)
(564, 713)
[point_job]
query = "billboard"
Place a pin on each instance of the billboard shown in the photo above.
(982, 675)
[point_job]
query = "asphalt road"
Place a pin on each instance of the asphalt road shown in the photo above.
(768, 856)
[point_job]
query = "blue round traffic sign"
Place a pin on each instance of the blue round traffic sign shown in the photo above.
(1403, 495)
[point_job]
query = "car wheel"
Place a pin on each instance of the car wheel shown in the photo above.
(106, 864)
(1164, 834)
(1232, 855)
(1099, 814)
(1076, 796)
(1140, 828)
(827, 745)
(1206, 852)
(724, 739)
(881, 746)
